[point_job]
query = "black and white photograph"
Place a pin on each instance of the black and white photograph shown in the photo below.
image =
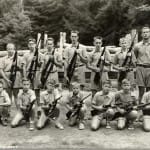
(74, 74)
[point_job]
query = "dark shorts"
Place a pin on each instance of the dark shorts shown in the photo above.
(54, 114)
(143, 76)
(146, 112)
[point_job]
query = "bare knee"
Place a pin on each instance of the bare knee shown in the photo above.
(95, 124)
(121, 123)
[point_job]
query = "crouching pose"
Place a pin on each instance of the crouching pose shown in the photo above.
(49, 107)
(146, 111)
(101, 105)
(5, 103)
(75, 105)
(26, 111)
(123, 101)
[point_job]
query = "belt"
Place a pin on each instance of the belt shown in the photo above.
(76, 66)
(53, 71)
(145, 66)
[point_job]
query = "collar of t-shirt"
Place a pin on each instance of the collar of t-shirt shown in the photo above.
(106, 95)
(146, 43)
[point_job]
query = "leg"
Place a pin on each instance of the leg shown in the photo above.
(121, 123)
(96, 121)
(81, 117)
(109, 115)
(131, 117)
(5, 110)
(42, 120)
(15, 93)
(37, 93)
(146, 123)
(141, 92)
(15, 122)
(32, 119)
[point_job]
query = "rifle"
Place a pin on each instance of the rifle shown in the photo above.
(139, 107)
(45, 72)
(13, 70)
(71, 66)
(76, 109)
(28, 110)
(52, 107)
(34, 64)
(126, 62)
(100, 64)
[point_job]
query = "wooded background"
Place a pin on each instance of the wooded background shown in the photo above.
(20, 19)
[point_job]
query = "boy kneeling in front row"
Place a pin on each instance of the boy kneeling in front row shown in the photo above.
(76, 106)
(101, 105)
(123, 100)
(5, 104)
(26, 100)
(49, 107)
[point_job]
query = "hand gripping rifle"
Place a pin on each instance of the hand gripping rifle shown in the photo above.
(28, 110)
(126, 62)
(47, 70)
(51, 111)
(76, 109)
(71, 66)
(34, 64)
(100, 64)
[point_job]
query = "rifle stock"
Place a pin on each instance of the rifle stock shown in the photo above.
(53, 106)
(71, 66)
(13, 70)
(77, 108)
(99, 65)
(127, 60)
(46, 72)
(28, 110)
(34, 64)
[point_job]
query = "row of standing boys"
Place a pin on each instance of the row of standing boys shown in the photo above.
(23, 94)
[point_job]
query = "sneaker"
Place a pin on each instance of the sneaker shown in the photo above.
(59, 126)
(130, 127)
(31, 126)
(108, 125)
(4, 122)
(81, 126)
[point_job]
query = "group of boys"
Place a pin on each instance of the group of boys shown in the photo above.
(28, 94)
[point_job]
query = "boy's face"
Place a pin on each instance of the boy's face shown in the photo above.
(10, 48)
(74, 37)
(146, 33)
(1, 87)
(50, 44)
(31, 45)
(126, 86)
(26, 85)
(50, 87)
(75, 89)
(106, 88)
(98, 43)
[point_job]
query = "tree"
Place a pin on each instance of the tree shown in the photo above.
(14, 27)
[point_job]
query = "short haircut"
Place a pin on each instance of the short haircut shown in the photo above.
(25, 79)
(75, 31)
(50, 39)
(125, 81)
(107, 82)
(31, 40)
(11, 44)
(98, 37)
(146, 27)
(75, 84)
(52, 82)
